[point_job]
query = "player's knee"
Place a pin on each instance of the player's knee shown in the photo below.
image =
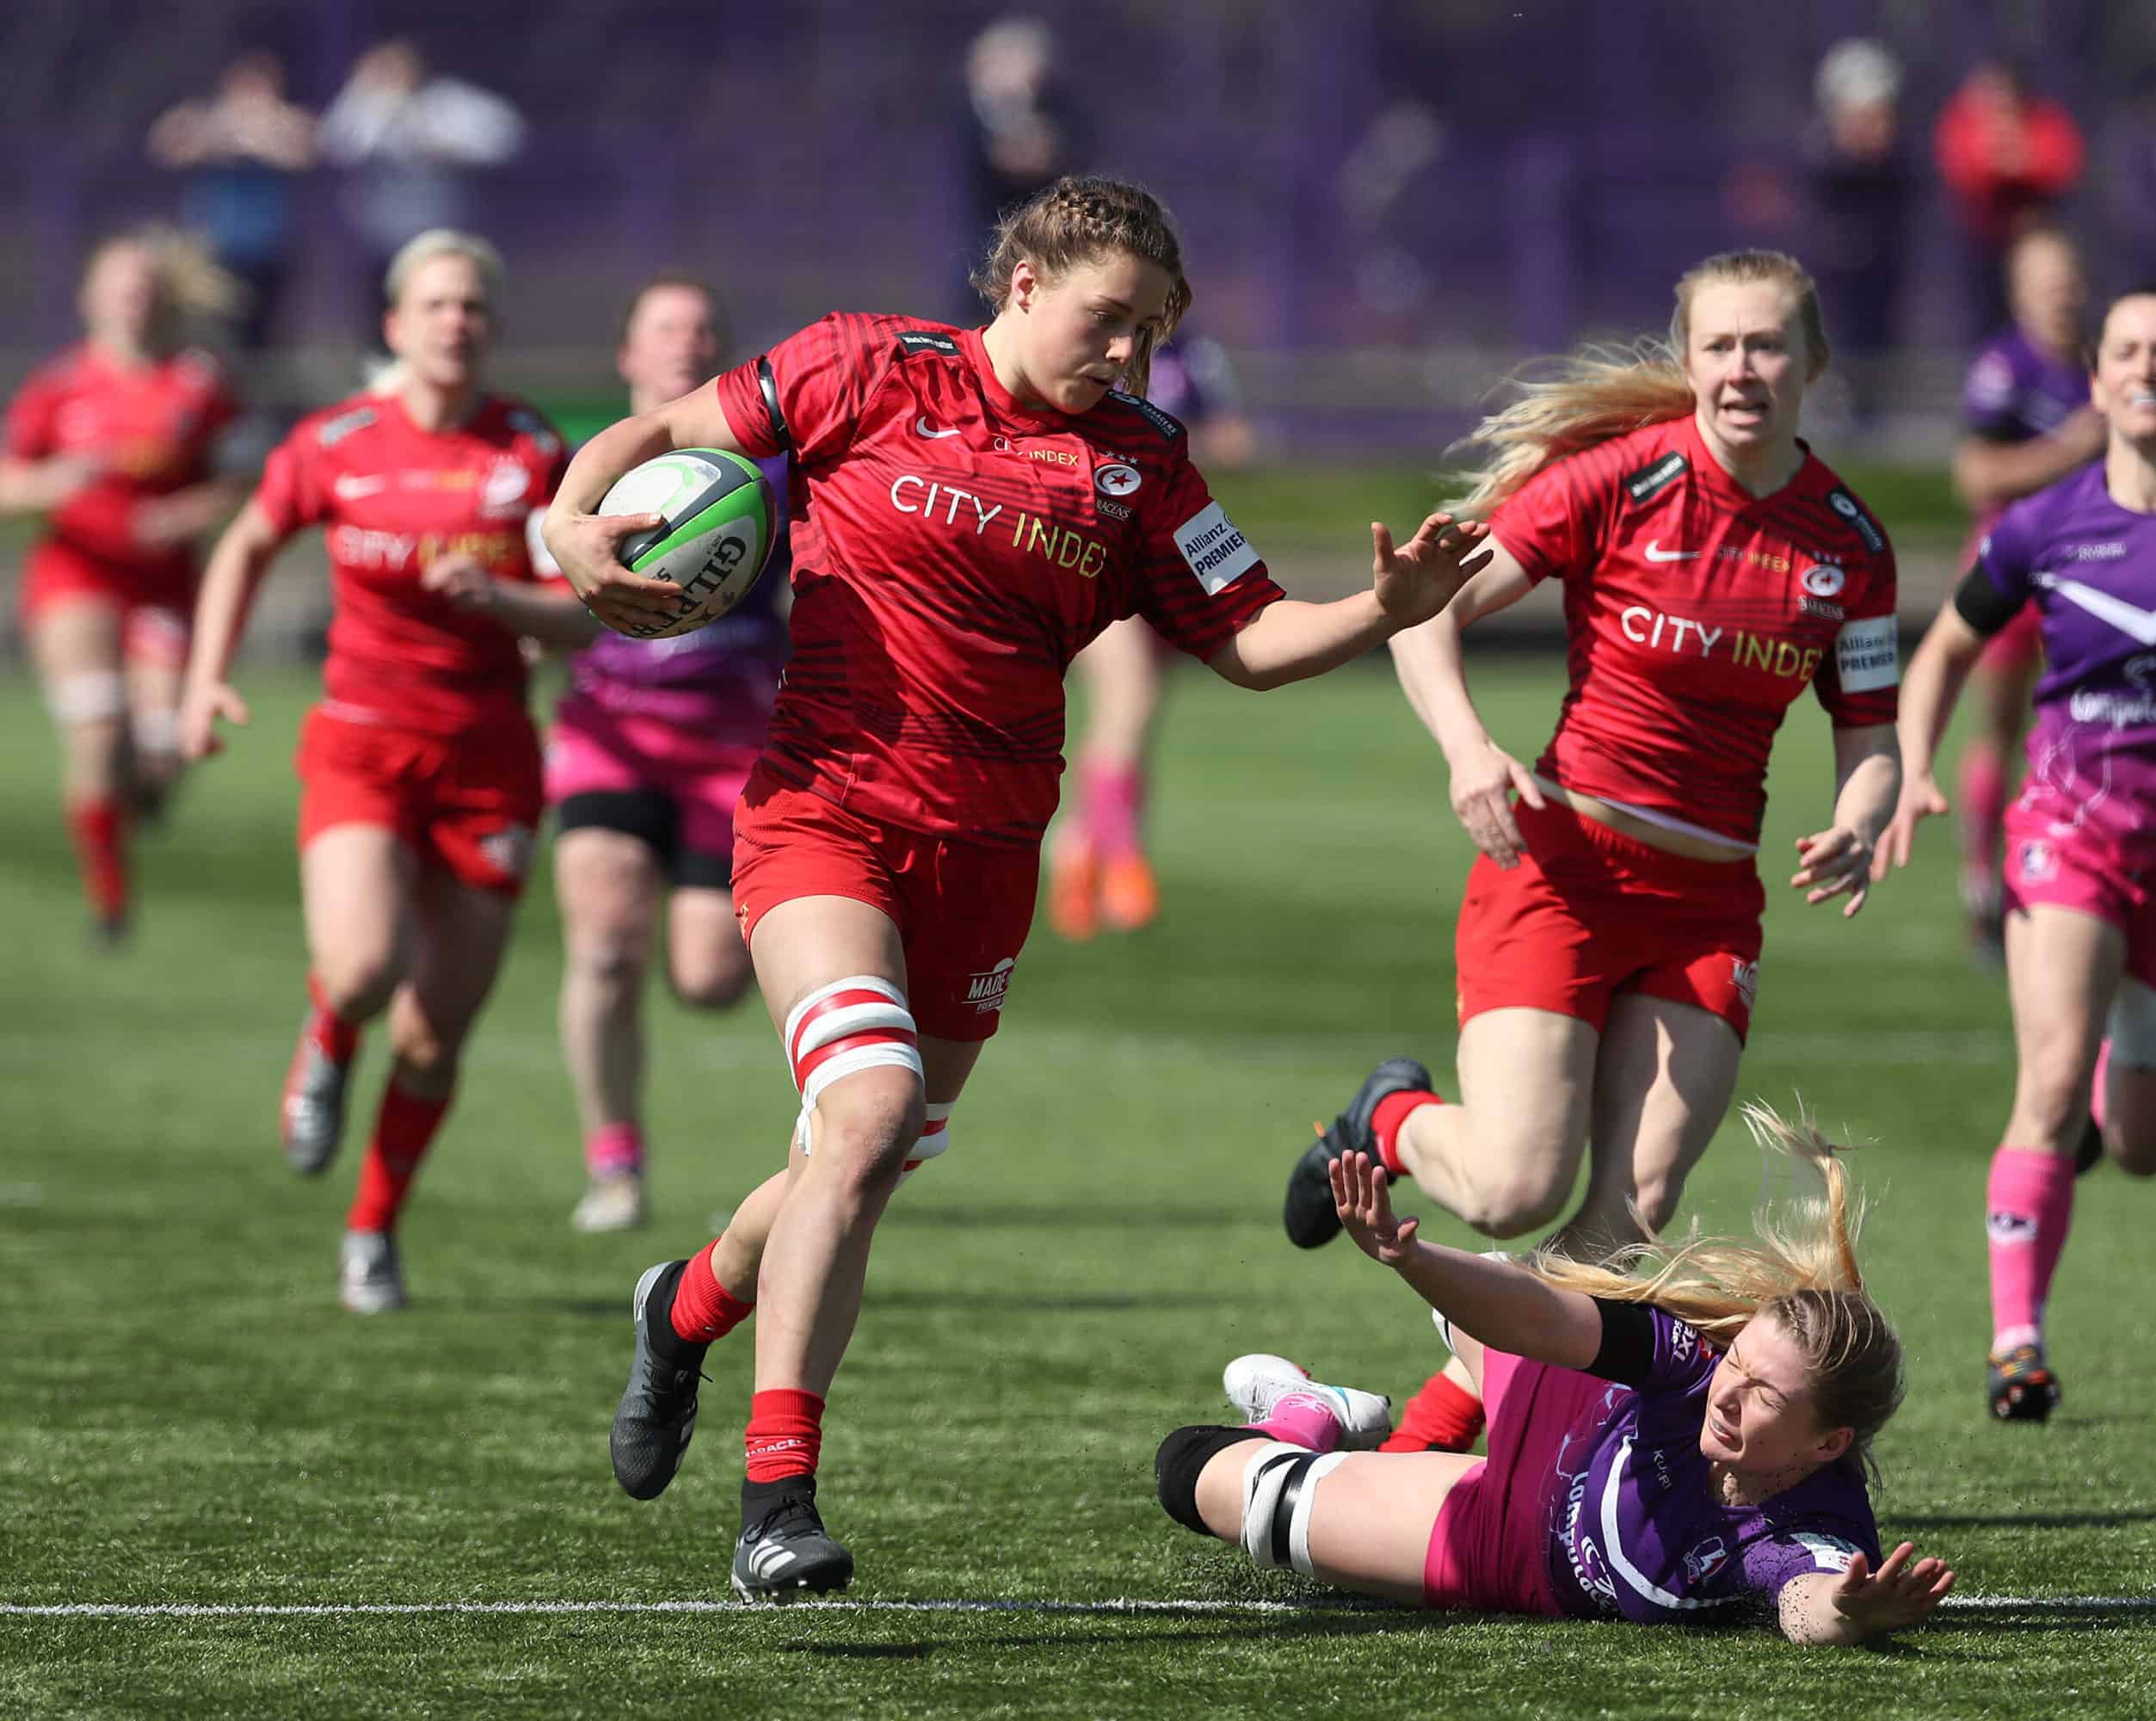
(869, 1124)
(708, 986)
(1654, 1200)
(358, 985)
(1279, 1494)
(1509, 1203)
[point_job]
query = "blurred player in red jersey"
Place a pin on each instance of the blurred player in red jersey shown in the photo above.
(650, 750)
(420, 769)
(116, 441)
(2026, 423)
(973, 506)
(1097, 870)
(1609, 939)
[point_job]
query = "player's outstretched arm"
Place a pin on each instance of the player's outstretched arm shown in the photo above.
(1497, 1303)
(1822, 1607)
(1432, 671)
(584, 544)
(547, 614)
(1409, 584)
(237, 567)
(1838, 861)
(1930, 689)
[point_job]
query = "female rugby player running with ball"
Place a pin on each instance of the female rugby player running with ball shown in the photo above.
(2080, 837)
(116, 442)
(1677, 1440)
(650, 750)
(1609, 937)
(974, 505)
(420, 769)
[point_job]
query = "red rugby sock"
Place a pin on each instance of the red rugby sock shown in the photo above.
(1443, 1417)
(403, 1132)
(1392, 1112)
(338, 1039)
(99, 828)
(785, 1435)
(704, 1310)
(2028, 1208)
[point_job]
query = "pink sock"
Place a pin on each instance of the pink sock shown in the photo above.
(2028, 1204)
(1304, 1419)
(1114, 796)
(614, 1149)
(1982, 790)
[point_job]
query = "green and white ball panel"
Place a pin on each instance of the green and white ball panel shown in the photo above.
(718, 512)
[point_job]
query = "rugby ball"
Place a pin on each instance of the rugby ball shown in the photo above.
(719, 516)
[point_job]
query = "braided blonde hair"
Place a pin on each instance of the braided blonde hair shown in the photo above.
(1601, 392)
(1080, 220)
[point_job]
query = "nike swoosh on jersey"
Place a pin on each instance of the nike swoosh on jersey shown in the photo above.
(921, 429)
(1654, 552)
(2138, 625)
(351, 486)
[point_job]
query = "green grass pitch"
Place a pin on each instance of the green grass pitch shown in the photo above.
(186, 1417)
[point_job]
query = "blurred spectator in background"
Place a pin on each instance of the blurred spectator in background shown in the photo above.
(2007, 156)
(241, 147)
(409, 139)
(1021, 133)
(2026, 423)
(2130, 181)
(1860, 183)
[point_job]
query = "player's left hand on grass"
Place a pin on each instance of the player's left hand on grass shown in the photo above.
(1900, 1593)
(463, 580)
(1418, 579)
(1832, 863)
(1364, 1205)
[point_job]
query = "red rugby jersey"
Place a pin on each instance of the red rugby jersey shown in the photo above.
(150, 429)
(952, 551)
(1695, 613)
(391, 497)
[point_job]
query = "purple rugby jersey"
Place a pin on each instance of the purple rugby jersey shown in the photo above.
(2090, 565)
(2016, 391)
(1637, 1531)
(720, 680)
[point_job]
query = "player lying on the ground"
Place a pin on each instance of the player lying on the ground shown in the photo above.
(1668, 1443)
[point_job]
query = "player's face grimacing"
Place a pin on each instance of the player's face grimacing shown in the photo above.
(1077, 333)
(671, 344)
(2123, 388)
(441, 323)
(1746, 363)
(1761, 1418)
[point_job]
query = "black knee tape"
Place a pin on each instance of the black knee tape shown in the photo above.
(1183, 1455)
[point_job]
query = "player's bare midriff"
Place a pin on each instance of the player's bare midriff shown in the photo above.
(1693, 846)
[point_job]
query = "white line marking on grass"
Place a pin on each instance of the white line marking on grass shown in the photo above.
(1124, 1605)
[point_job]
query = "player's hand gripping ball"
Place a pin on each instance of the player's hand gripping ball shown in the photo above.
(719, 516)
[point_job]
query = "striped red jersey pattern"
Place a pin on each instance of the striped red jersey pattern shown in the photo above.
(952, 551)
(1695, 613)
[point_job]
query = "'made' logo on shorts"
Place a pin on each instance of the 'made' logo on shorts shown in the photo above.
(985, 991)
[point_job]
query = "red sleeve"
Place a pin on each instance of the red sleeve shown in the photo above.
(1200, 582)
(30, 421)
(1553, 523)
(806, 395)
(1860, 682)
(290, 493)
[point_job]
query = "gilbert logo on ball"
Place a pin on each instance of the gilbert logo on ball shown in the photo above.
(719, 516)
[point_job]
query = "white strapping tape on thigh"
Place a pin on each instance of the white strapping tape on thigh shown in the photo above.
(156, 731)
(2132, 1029)
(934, 1137)
(1279, 1489)
(86, 696)
(851, 1025)
(1444, 1328)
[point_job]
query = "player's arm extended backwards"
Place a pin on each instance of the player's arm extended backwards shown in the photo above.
(1837, 861)
(584, 543)
(1433, 672)
(1291, 641)
(1930, 690)
(237, 567)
